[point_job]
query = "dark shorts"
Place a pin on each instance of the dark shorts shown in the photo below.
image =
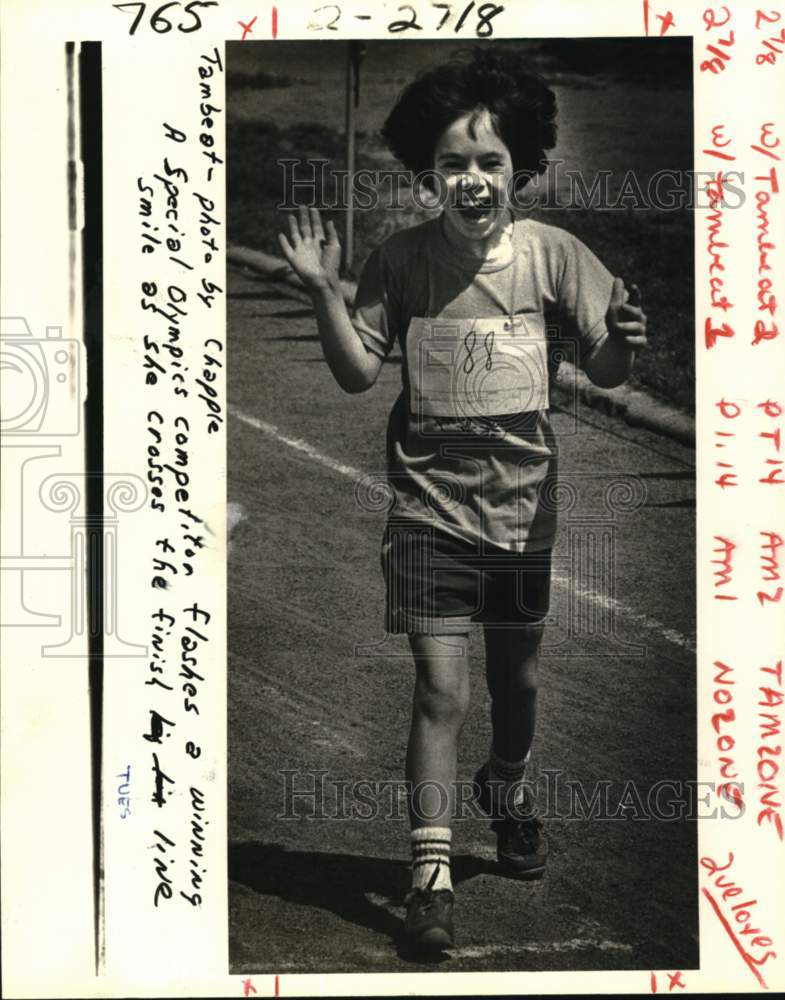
(437, 582)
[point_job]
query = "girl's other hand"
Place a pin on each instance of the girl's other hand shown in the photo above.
(625, 319)
(314, 257)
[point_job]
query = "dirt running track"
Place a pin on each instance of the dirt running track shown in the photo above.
(305, 587)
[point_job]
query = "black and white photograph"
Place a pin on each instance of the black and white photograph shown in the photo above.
(391, 423)
(461, 506)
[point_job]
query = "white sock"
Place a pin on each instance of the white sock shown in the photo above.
(431, 857)
(506, 777)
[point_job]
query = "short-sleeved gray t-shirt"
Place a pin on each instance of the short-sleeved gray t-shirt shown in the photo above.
(469, 443)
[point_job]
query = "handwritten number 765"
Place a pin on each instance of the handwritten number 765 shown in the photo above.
(161, 24)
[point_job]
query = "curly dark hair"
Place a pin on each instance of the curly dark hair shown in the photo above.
(522, 107)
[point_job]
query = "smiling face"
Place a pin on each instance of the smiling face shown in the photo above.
(475, 168)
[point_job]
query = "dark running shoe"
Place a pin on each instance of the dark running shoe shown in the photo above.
(429, 928)
(521, 844)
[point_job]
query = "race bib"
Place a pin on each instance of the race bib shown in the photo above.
(477, 367)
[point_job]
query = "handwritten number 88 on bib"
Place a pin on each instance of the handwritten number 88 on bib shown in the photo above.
(468, 368)
(469, 343)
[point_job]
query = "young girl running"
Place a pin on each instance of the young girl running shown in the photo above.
(476, 298)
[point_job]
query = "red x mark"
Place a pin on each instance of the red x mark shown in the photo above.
(248, 987)
(666, 19)
(667, 22)
(246, 31)
(675, 980)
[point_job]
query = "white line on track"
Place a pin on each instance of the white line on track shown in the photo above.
(529, 948)
(540, 947)
(235, 512)
(298, 444)
(601, 601)
(607, 603)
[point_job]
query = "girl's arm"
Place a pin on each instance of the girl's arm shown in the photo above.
(315, 260)
(611, 364)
